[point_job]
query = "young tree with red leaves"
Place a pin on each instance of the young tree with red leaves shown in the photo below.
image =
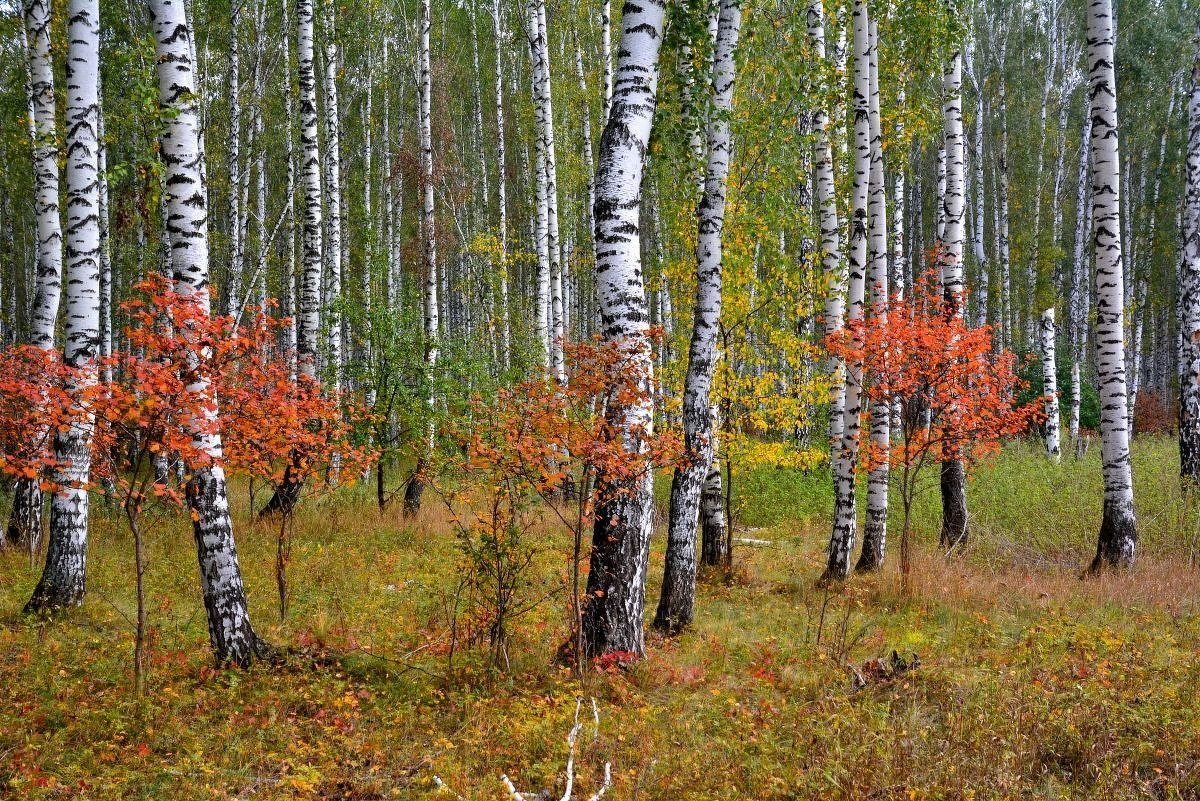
(919, 358)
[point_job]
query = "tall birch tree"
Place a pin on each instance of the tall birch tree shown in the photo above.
(616, 586)
(677, 601)
(25, 520)
(63, 578)
(1189, 293)
(229, 629)
(845, 523)
(1117, 543)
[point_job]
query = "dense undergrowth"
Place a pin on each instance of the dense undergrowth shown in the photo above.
(1032, 683)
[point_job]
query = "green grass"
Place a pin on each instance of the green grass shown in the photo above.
(1032, 684)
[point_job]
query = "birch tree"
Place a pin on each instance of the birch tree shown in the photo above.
(25, 520)
(875, 529)
(63, 578)
(675, 606)
(950, 255)
(1189, 293)
(1079, 296)
(333, 203)
(845, 524)
(416, 484)
(616, 586)
(1117, 542)
(1052, 437)
(230, 632)
(832, 263)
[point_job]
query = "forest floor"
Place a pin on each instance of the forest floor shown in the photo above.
(1031, 683)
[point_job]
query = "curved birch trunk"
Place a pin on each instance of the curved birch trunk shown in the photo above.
(676, 604)
(1117, 543)
(1189, 295)
(1050, 385)
(63, 579)
(845, 522)
(25, 519)
(874, 541)
(953, 477)
(616, 587)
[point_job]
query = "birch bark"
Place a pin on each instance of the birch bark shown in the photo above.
(616, 588)
(1117, 543)
(845, 523)
(1189, 293)
(63, 578)
(676, 604)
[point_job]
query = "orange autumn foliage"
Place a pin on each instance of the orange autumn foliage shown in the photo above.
(921, 360)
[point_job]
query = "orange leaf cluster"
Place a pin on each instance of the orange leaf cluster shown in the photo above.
(956, 396)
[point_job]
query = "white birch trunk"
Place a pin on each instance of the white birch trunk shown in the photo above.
(953, 477)
(981, 261)
(832, 263)
(1050, 385)
(412, 493)
(677, 602)
(63, 578)
(289, 294)
(1006, 309)
(1189, 293)
(1117, 542)
(616, 587)
(1079, 299)
(237, 253)
(25, 522)
(333, 203)
(900, 267)
(874, 541)
(106, 273)
(501, 190)
(230, 632)
(845, 523)
(308, 318)
(606, 65)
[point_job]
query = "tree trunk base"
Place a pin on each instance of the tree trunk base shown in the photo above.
(1117, 546)
(25, 518)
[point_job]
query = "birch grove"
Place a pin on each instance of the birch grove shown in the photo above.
(516, 267)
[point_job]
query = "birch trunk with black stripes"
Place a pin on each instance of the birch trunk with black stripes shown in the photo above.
(229, 628)
(416, 483)
(63, 578)
(874, 541)
(845, 522)
(1052, 427)
(677, 601)
(832, 263)
(25, 518)
(616, 587)
(1079, 297)
(1117, 543)
(1189, 294)
(953, 477)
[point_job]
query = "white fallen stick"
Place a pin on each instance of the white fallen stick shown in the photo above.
(443, 787)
